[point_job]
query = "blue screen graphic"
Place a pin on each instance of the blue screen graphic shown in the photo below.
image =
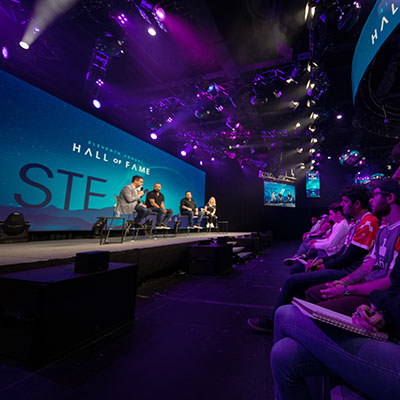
(61, 167)
(383, 20)
(279, 194)
(313, 187)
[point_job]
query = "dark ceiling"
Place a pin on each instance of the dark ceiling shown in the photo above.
(211, 72)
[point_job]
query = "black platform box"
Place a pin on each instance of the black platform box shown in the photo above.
(210, 260)
(92, 261)
(47, 312)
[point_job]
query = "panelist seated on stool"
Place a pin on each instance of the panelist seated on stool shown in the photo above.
(129, 201)
(210, 211)
(189, 208)
(155, 202)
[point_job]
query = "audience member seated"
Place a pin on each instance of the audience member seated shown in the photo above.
(129, 201)
(155, 202)
(304, 348)
(315, 225)
(210, 211)
(346, 294)
(330, 245)
(323, 229)
(189, 208)
(359, 241)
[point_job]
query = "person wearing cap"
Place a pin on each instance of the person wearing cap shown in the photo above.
(349, 292)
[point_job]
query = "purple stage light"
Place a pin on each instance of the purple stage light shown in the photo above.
(96, 103)
(183, 153)
(160, 13)
(212, 159)
(36, 30)
(201, 163)
(99, 82)
(154, 136)
(339, 116)
(24, 45)
(151, 31)
(4, 52)
(169, 119)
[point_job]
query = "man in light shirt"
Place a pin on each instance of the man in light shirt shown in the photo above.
(335, 241)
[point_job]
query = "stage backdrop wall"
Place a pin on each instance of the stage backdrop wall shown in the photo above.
(60, 166)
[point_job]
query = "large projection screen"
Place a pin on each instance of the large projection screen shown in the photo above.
(61, 166)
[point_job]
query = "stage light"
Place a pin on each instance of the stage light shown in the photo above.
(329, 157)
(311, 167)
(313, 140)
(121, 19)
(314, 116)
(294, 104)
(154, 136)
(312, 150)
(310, 103)
(302, 166)
(201, 162)
(169, 120)
(96, 103)
(99, 82)
(151, 31)
(183, 153)
(24, 45)
(4, 52)
(299, 150)
(313, 161)
(160, 13)
(212, 159)
(339, 116)
(312, 128)
(298, 125)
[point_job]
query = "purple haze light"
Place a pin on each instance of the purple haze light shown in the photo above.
(169, 119)
(99, 82)
(154, 136)
(4, 52)
(96, 103)
(212, 159)
(339, 116)
(183, 153)
(151, 31)
(160, 13)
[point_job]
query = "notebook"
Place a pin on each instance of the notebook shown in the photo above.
(336, 319)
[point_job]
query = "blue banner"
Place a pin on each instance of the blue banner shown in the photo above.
(61, 166)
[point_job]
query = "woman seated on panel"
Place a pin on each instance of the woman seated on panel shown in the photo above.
(210, 211)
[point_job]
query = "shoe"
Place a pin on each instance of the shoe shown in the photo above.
(197, 227)
(191, 227)
(263, 324)
(212, 225)
(160, 226)
(291, 260)
(164, 226)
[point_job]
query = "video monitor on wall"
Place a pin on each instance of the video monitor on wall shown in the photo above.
(313, 187)
(63, 166)
(279, 194)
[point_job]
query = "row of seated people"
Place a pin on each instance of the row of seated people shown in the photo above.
(130, 202)
(361, 280)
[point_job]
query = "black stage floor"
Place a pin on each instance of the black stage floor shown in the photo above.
(190, 340)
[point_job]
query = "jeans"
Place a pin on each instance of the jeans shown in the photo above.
(308, 348)
(295, 285)
(190, 215)
(142, 212)
(160, 213)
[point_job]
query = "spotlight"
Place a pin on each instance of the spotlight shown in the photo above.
(312, 150)
(294, 104)
(4, 52)
(298, 125)
(201, 162)
(96, 103)
(151, 31)
(154, 136)
(312, 161)
(312, 128)
(314, 116)
(339, 116)
(183, 153)
(311, 167)
(313, 140)
(310, 103)
(24, 45)
(299, 150)
(99, 82)
(212, 159)
(160, 13)
(302, 166)
(329, 157)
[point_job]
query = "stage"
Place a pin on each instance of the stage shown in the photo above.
(153, 255)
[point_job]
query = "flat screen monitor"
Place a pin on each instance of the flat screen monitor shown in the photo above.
(313, 186)
(61, 167)
(279, 194)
